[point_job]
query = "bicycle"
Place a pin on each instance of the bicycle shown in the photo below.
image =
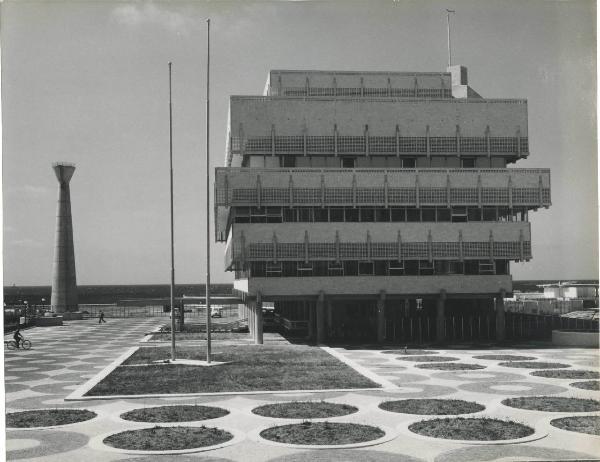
(12, 345)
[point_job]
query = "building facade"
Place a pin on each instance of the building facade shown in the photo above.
(355, 201)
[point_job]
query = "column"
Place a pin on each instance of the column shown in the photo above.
(311, 321)
(250, 307)
(258, 320)
(321, 334)
(329, 319)
(440, 320)
(381, 317)
(500, 321)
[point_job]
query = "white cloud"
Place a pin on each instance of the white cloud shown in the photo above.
(148, 13)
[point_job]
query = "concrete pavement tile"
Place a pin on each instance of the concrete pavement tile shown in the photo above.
(512, 388)
(521, 451)
(339, 455)
(50, 442)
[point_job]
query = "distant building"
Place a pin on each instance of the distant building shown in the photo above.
(352, 200)
(588, 293)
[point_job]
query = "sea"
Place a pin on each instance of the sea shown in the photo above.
(107, 294)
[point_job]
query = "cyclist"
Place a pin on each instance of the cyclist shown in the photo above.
(18, 337)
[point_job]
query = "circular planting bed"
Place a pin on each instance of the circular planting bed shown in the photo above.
(304, 410)
(410, 352)
(322, 433)
(179, 413)
(589, 424)
(451, 366)
(168, 438)
(534, 365)
(553, 404)
(427, 359)
(431, 406)
(570, 374)
(47, 417)
(471, 429)
(590, 385)
(505, 357)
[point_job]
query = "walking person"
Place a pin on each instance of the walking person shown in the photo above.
(18, 337)
(101, 318)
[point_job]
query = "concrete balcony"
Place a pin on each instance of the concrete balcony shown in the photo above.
(346, 286)
(242, 187)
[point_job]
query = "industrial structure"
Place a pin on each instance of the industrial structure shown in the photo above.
(355, 201)
(64, 281)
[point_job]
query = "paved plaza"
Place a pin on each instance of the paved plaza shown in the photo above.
(63, 358)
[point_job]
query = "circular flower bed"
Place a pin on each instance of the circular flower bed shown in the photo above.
(451, 366)
(570, 374)
(505, 357)
(167, 438)
(427, 359)
(589, 424)
(304, 410)
(590, 385)
(553, 404)
(431, 406)
(534, 365)
(180, 413)
(410, 352)
(472, 429)
(322, 433)
(47, 417)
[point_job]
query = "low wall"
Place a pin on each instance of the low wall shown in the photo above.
(68, 316)
(49, 321)
(573, 338)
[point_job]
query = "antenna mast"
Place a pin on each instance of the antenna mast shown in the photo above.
(449, 43)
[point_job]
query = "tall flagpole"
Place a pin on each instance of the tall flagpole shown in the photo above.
(172, 238)
(208, 327)
(449, 43)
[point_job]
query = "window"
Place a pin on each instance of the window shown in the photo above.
(351, 268)
(428, 214)
(290, 215)
(467, 162)
(305, 214)
(380, 267)
(320, 268)
(242, 215)
(335, 268)
(486, 267)
(425, 268)
(459, 214)
(382, 214)
(398, 214)
(443, 214)
(305, 269)
(348, 162)
(273, 270)
(471, 267)
(274, 215)
(474, 213)
(411, 267)
(396, 268)
(367, 214)
(502, 267)
(351, 214)
(365, 268)
(289, 269)
(489, 214)
(413, 214)
(287, 161)
(336, 214)
(409, 162)
(321, 214)
(257, 269)
(258, 215)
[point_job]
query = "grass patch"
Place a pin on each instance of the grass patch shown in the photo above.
(249, 368)
(534, 365)
(553, 404)
(178, 413)
(431, 406)
(505, 357)
(427, 359)
(471, 429)
(168, 438)
(570, 374)
(591, 385)
(589, 424)
(47, 418)
(451, 366)
(410, 352)
(322, 433)
(304, 410)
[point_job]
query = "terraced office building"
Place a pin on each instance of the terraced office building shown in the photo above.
(359, 202)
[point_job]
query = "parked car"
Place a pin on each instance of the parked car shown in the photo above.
(215, 312)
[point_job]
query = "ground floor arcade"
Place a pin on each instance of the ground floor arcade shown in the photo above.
(384, 318)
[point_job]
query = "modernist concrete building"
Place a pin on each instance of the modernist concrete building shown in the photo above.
(356, 201)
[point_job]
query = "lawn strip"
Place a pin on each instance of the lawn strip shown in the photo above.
(553, 404)
(304, 410)
(589, 424)
(322, 433)
(167, 438)
(471, 429)
(175, 413)
(431, 406)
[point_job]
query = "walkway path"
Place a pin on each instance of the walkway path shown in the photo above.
(62, 358)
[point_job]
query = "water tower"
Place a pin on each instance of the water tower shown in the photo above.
(64, 282)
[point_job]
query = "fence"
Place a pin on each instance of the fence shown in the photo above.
(117, 311)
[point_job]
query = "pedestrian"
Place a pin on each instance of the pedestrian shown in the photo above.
(101, 318)
(18, 337)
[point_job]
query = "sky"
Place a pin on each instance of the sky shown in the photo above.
(87, 82)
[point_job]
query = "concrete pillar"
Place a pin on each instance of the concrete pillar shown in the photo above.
(64, 282)
(440, 320)
(329, 319)
(250, 308)
(258, 317)
(381, 317)
(311, 321)
(500, 320)
(321, 334)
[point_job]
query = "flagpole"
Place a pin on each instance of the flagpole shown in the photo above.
(172, 237)
(449, 43)
(208, 326)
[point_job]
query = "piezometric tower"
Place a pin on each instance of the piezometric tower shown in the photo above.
(357, 201)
